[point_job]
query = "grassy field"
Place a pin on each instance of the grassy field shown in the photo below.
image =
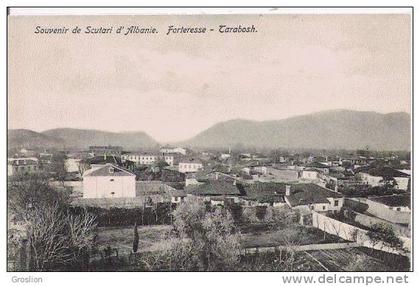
(353, 259)
(151, 238)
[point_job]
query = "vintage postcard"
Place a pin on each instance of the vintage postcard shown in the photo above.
(220, 140)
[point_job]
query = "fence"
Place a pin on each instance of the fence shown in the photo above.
(352, 233)
(297, 248)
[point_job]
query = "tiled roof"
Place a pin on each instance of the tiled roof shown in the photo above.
(151, 187)
(190, 160)
(265, 192)
(393, 200)
(316, 165)
(304, 194)
(310, 170)
(213, 188)
(387, 172)
(104, 159)
(176, 193)
(109, 170)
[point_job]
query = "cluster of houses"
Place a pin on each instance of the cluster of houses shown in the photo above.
(302, 182)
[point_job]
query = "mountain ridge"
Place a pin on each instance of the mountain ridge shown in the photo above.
(331, 129)
(78, 138)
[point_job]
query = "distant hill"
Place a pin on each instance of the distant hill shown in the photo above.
(335, 129)
(79, 138)
(24, 138)
(85, 138)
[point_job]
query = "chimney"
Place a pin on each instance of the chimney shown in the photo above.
(287, 190)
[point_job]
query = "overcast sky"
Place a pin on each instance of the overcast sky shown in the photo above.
(173, 87)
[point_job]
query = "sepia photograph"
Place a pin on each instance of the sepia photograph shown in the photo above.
(229, 140)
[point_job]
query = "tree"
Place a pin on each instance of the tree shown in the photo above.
(203, 241)
(57, 167)
(55, 237)
(135, 238)
(249, 215)
(389, 183)
(384, 233)
(82, 166)
(279, 217)
(161, 164)
(33, 190)
(81, 235)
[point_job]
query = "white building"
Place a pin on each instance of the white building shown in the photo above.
(175, 150)
(148, 159)
(378, 177)
(72, 165)
(190, 166)
(393, 208)
(373, 181)
(310, 175)
(22, 166)
(313, 197)
(225, 156)
(109, 181)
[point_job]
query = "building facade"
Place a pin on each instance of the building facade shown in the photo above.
(148, 159)
(174, 150)
(108, 181)
(105, 150)
(22, 166)
(190, 166)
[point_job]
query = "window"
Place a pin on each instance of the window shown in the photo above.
(398, 209)
(111, 180)
(323, 208)
(336, 203)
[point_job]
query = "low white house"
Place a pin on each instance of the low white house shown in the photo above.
(393, 208)
(310, 175)
(313, 197)
(378, 177)
(109, 181)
